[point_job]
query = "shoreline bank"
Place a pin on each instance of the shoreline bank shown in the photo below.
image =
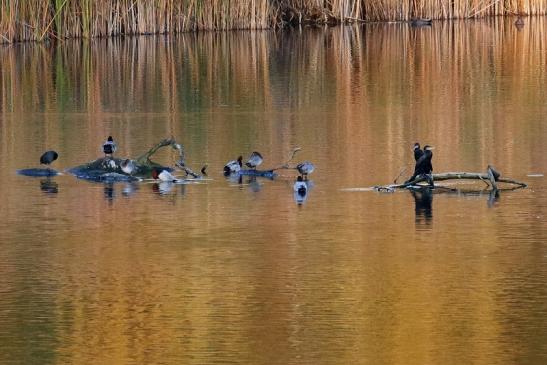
(33, 20)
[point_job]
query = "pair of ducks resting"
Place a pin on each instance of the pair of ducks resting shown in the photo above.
(256, 159)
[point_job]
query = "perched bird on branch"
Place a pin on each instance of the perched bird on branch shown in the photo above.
(128, 166)
(254, 160)
(417, 151)
(423, 165)
(109, 147)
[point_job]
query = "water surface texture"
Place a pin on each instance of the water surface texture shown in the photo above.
(228, 272)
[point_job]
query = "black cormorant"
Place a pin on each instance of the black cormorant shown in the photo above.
(417, 151)
(424, 166)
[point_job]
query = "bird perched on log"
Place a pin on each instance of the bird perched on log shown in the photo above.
(128, 166)
(233, 166)
(48, 157)
(109, 147)
(305, 168)
(423, 166)
(417, 151)
(254, 160)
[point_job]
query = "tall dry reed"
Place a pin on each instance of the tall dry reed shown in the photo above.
(35, 20)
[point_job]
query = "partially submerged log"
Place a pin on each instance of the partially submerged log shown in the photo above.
(38, 172)
(109, 169)
(491, 178)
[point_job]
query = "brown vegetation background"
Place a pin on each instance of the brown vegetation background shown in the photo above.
(31, 20)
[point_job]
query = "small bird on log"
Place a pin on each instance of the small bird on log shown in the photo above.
(48, 157)
(254, 160)
(305, 168)
(233, 166)
(109, 147)
(128, 166)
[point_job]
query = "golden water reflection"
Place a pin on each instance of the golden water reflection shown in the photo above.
(221, 272)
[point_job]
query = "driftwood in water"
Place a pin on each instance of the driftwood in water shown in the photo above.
(491, 178)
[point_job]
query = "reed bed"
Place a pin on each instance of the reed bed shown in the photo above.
(36, 20)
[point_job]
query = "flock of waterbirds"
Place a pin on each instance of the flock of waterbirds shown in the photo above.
(165, 174)
(114, 170)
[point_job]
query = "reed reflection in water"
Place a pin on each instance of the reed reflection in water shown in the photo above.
(231, 271)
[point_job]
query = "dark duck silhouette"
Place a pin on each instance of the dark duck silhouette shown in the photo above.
(420, 22)
(109, 147)
(305, 168)
(48, 157)
(423, 166)
(254, 160)
(233, 166)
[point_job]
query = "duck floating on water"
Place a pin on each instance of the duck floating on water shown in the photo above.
(300, 186)
(305, 168)
(109, 147)
(254, 160)
(163, 175)
(233, 166)
(420, 22)
(48, 157)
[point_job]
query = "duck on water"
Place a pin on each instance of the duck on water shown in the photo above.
(233, 166)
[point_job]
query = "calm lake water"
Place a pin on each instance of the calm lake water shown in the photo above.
(221, 272)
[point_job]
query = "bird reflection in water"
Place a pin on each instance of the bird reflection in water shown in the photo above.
(163, 188)
(108, 191)
(129, 189)
(493, 198)
(254, 185)
(49, 186)
(423, 200)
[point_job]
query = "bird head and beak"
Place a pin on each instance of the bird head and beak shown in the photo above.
(110, 139)
(416, 146)
(428, 148)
